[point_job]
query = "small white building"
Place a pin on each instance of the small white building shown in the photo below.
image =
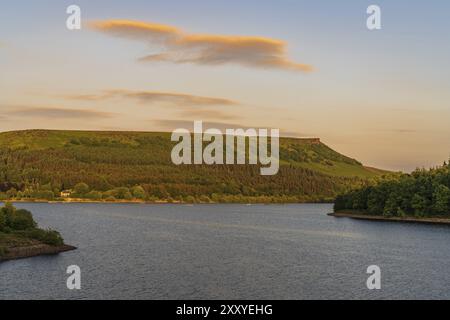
(66, 193)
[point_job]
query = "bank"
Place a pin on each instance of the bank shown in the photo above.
(34, 250)
(364, 216)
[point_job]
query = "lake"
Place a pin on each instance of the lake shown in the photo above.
(137, 251)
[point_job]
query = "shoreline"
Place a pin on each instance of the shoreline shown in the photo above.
(76, 200)
(362, 216)
(34, 251)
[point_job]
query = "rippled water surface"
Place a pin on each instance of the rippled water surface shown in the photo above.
(229, 252)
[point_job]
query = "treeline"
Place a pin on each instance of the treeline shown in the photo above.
(423, 193)
(201, 185)
(112, 166)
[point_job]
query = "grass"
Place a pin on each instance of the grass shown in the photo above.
(105, 160)
(296, 152)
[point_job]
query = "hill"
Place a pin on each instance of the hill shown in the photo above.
(125, 165)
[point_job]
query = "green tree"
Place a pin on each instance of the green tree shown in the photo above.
(441, 200)
(128, 196)
(419, 204)
(138, 192)
(94, 195)
(8, 212)
(392, 206)
(204, 199)
(376, 201)
(44, 194)
(81, 189)
(121, 193)
(22, 220)
(11, 193)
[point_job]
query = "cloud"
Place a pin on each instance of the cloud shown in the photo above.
(404, 131)
(194, 113)
(152, 97)
(60, 113)
(170, 125)
(189, 106)
(203, 49)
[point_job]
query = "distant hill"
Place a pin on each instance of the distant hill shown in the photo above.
(41, 163)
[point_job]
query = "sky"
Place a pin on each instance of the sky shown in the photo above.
(309, 68)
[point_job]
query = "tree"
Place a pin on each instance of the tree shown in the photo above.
(204, 199)
(11, 193)
(22, 220)
(375, 202)
(45, 194)
(138, 192)
(8, 212)
(121, 193)
(128, 195)
(419, 204)
(441, 200)
(94, 195)
(81, 189)
(189, 199)
(392, 206)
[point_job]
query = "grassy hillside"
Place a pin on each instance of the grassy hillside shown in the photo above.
(125, 165)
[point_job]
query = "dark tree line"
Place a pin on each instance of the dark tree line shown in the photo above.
(421, 193)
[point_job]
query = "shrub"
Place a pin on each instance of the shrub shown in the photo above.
(204, 199)
(8, 211)
(44, 194)
(139, 192)
(94, 195)
(22, 220)
(121, 193)
(128, 196)
(50, 237)
(189, 199)
(81, 189)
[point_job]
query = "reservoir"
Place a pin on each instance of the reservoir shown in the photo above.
(229, 251)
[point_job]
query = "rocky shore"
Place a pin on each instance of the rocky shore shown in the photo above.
(33, 251)
(362, 216)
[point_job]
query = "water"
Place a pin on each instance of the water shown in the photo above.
(129, 251)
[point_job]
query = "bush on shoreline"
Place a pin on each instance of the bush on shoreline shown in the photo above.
(20, 222)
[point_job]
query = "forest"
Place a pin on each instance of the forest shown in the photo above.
(110, 166)
(423, 193)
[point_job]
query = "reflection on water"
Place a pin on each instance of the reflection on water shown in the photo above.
(229, 252)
